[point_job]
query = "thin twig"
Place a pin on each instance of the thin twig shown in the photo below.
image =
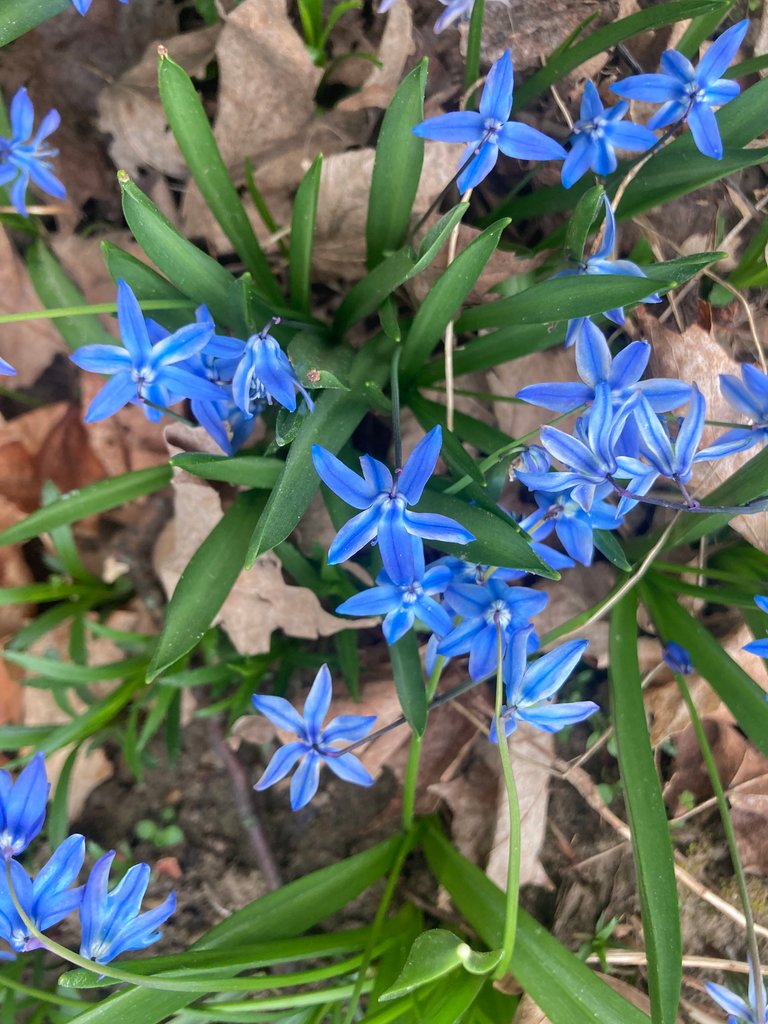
(450, 331)
(630, 958)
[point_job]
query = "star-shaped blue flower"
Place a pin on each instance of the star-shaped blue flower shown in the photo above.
(573, 526)
(386, 517)
(143, 370)
(22, 807)
(748, 396)
(596, 136)
(111, 922)
(531, 687)
(46, 900)
(314, 744)
(489, 130)
(264, 374)
(689, 93)
(26, 156)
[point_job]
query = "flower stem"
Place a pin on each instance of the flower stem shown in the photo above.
(414, 751)
(513, 868)
(395, 396)
(730, 836)
(749, 508)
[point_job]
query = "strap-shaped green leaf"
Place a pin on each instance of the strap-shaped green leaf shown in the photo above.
(20, 16)
(192, 131)
(396, 167)
(495, 348)
(146, 283)
(582, 219)
(369, 293)
(651, 842)
(303, 235)
(88, 501)
(206, 582)
(244, 470)
(409, 681)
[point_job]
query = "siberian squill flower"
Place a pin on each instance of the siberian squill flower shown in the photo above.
(486, 609)
(489, 130)
(81, 6)
(25, 155)
(142, 370)
(111, 922)
(741, 1012)
(748, 396)
(602, 262)
(6, 369)
(403, 604)
(46, 900)
(385, 516)
(759, 646)
(455, 10)
(677, 658)
(596, 136)
(531, 687)
(265, 374)
(689, 93)
(313, 746)
(573, 526)
(22, 807)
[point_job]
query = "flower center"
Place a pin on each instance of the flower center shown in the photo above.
(412, 593)
(498, 615)
(491, 129)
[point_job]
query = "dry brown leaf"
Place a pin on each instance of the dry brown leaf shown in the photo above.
(516, 419)
(130, 110)
(11, 694)
(395, 48)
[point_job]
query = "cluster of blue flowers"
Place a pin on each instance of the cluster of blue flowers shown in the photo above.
(110, 921)
(227, 380)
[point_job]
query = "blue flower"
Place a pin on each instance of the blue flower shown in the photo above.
(111, 922)
(759, 647)
(740, 1011)
(530, 688)
(313, 747)
(677, 658)
(46, 900)
(532, 459)
(455, 10)
(622, 374)
(573, 526)
(404, 603)
(489, 130)
(6, 369)
(596, 136)
(142, 370)
(486, 608)
(24, 155)
(22, 807)
(265, 374)
(689, 93)
(602, 262)
(748, 396)
(384, 501)
(81, 6)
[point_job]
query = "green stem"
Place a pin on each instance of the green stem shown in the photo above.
(730, 836)
(99, 307)
(43, 997)
(513, 868)
(414, 752)
(395, 396)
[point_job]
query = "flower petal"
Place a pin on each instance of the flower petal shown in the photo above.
(280, 713)
(525, 143)
(317, 703)
(349, 728)
(706, 134)
(554, 717)
(432, 526)
(545, 676)
(496, 101)
(459, 126)
(101, 358)
(116, 393)
(341, 480)
(356, 533)
(306, 780)
(649, 88)
(721, 53)
(420, 466)
(281, 763)
(350, 769)
(133, 330)
(580, 158)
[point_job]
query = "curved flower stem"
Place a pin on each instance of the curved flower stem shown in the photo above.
(730, 836)
(395, 395)
(414, 751)
(749, 508)
(513, 868)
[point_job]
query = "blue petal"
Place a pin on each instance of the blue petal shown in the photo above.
(656, 442)
(675, 64)
(609, 236)
(634, 137)
(376, 474)
(570, 451)
(350, 769)
(759, 647)
(395, 545)
(579, 159)
(461, 126)
(482, 163)
(496, 101)
(306, 780)
(317, 703)
(101, 358)
(143, 931)
(341, 480)
(546, 675)
(182, 344)
(515, 663)
(397, 623)
(59, 873)
(46, 180)
(649, 88)
(280, 713)
(690, 432)
(706, 134)
(18, 193)
(762, 603)
(187, 385)
(593, 358)
(356, 533)
(739, 440)
(349, 728)
(605, 158)
(470, 599)
(483, 654)
(433, 615)
(93, 909)
(721, 92)
(591, 105)
(670, 113)
(576, 537)
(749, 395)
(22, 116)
(559, 397)
(629, 365)
(432, 526)
(721, 53)
(525, 143)
(376, 601)
(554, 717)
(281, 763)
(420, 466)
(729, 1002)
(133, 330)
(460, 639)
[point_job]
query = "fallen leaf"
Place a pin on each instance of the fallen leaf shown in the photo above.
(396, 46)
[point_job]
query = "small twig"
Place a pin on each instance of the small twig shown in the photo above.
(562, 107)
(450, 331)
(244, 805)
(630, 958)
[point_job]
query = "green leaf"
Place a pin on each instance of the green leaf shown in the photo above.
(72, 673)
(700, 29)
(244, 470)
(437, 235)
(498, 539)
(191, 129)
(651, 843)
(565, 989)
(745, 699)
(434, 954)
(474, 46)
(560, 298)
(206, 582)
(493, 349)
(194, 274)
(608, 545)
(146, 284)
(303, 235)
(369, 293)
(20, 16)
(55, 289)
(88, 501)
(409, 681)
(580, 224)
(396, 168)
(446, 297)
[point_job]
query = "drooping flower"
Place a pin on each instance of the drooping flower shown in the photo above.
(573, 526)
(314, 744)
(486, 609)
(386, 517)
(455, 10)
(531, 687)
(489, 130)
(81, 6)
(741, 1011)
(265, 374)
(677, 658)
(142, 371)
(759, 647)
(598, 134)
(689, 93)
(22, 807)
(111, 922)
(26, 156)
(46, 900)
